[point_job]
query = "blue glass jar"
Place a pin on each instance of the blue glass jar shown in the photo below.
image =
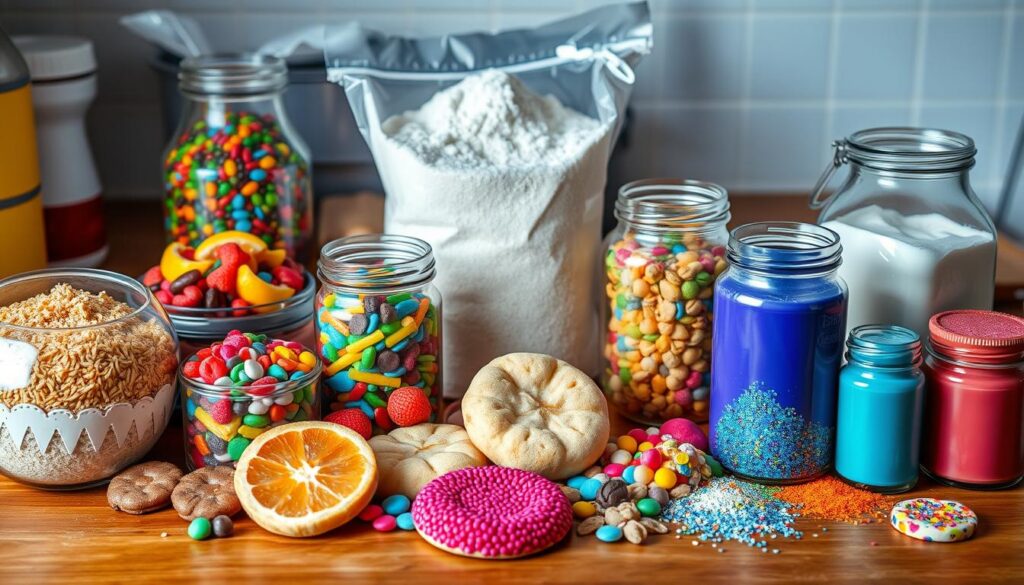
(780, 318)
(881, 389)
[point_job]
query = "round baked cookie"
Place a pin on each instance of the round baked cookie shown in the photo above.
(143, 488)
(410, 457)
(534, 412)
(492, 512)
(206, 492)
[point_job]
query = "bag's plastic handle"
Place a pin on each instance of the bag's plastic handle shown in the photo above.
(613, 62)
(838, 160)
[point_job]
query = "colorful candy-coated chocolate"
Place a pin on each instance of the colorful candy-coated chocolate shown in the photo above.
(608, 533)
(584, 509)
(396, 504)
(405, 522)
(200, 529)
(371, 513)
(241, 174)
(223, 414)
(385, 523)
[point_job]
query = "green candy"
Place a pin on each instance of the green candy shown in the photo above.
(255, 420)
(374, 400)
(625, 375)
(330, 352)
(395, 299)
(649, 507)
(237, 371)
(389, 328)
(690, 289)
(716, 467)
(633, 331)
(703, 279)
(620, 301)
(369, 357)
(236, 446)
(200, 529)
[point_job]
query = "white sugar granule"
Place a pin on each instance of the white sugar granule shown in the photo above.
(507, 186)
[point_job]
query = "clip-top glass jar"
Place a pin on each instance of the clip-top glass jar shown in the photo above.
(236, 162)
(916, 240)
(881, 387)
(661, 263)
(780, 313)
(379, 329)
(974, 400)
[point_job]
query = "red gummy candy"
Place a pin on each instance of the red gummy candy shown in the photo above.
(380, 415)
(165, 297)
(191, 369)
(153, 276)
(191, 296)
(288, 277)
(220, 411)
(262, 386)
(352, 418)
(408, 406)
(212, 368)
(239, 304)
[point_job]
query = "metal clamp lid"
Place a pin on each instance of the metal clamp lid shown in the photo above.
(838, 160)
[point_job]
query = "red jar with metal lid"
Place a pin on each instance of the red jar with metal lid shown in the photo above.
(974, 399)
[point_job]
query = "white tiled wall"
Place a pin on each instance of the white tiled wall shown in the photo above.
(748, 93)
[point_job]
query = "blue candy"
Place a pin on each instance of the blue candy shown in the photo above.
(373, 323)
(589, 489)
(277, 372)
(395, 505)
(609, 533)
(628, 474)
(404, 521)
(407, 307)
(340, 382)
(257, 174)
(576, 482)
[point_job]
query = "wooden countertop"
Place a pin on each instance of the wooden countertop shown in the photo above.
(62, 537)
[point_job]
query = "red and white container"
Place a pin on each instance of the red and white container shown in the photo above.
(63, 73)
(974, 399)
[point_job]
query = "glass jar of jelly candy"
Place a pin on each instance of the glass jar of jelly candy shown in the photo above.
(661, 264)
(235, 389)
(236, 162)
(378, 320)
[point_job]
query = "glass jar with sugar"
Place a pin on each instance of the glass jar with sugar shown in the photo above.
(916, 239)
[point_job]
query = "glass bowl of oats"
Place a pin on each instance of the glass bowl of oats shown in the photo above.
(87, 365)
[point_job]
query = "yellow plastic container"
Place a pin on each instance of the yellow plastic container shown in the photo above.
(22, 232)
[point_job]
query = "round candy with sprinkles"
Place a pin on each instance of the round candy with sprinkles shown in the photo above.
(492, 512)
(934, 520)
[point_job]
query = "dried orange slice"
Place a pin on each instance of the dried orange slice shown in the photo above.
(256, 291)
(252, 245)
(306, 478)
(173, 264)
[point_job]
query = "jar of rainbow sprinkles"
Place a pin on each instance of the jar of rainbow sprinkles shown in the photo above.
(661, 264)
(378, 319)
(235, 162)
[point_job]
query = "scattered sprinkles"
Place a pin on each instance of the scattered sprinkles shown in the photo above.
(829, 498)
(730, 509)
(757, 437)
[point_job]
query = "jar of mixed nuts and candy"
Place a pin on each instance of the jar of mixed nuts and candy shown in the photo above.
(661, 264)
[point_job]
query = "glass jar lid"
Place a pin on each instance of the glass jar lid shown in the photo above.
(232, 74)
(376, 263)
(785, 248)
(978, 336)
(672, 204)
(884, 346)
(911, 150)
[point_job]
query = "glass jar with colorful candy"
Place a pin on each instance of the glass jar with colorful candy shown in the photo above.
(661, 264)
(378, 319)
(237, 388)
(881, 388)
(974, 399)
(780, 317)
(236, 162)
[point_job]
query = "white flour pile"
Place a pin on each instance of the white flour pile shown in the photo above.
(507, 186)
(902, 269)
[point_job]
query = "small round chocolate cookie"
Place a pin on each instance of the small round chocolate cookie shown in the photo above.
(206, 493)
(143, 488)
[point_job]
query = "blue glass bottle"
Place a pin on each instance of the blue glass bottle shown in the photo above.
(881, 389)
(777, 342)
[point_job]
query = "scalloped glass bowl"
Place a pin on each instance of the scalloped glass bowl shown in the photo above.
(99, 396)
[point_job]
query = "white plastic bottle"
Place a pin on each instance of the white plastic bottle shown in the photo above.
(63, 73)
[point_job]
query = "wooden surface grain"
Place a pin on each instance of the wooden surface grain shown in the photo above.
(75, 537)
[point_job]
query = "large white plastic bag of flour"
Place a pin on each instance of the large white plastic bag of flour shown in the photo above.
(517, 239)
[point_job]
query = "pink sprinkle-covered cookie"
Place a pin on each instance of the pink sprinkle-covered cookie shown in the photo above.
(492, 512)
